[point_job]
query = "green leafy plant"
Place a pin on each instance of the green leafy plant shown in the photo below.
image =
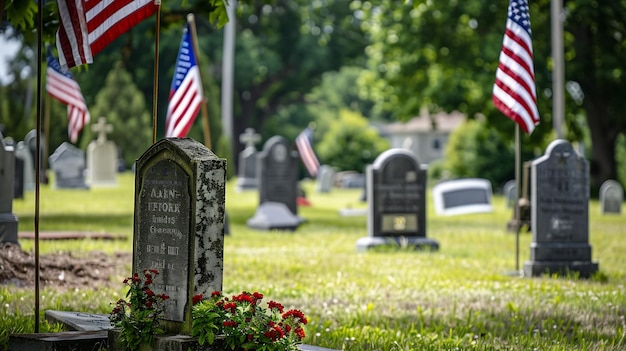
(138, 318)
(244, 323)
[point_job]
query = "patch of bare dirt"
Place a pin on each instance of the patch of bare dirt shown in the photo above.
(63, 270)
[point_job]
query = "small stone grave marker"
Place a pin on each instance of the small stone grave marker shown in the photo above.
(560, 213)
(80, 321)
(325, 179)
(102, 160)
(611, 197)
(247, 177)
(179, 223)
(396, 188)
(68, 164)
(462, 196)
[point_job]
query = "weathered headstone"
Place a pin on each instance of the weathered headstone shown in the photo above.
(102, 156)
(611, 197)
(560, 213)
(23, 153)
(325, 179)
(247, 175)
(179, 223)
(462, 196)
(68, 164)
(277, 174)
(8, 221)
(396, 195)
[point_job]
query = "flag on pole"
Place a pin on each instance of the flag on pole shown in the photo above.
(186, 92)
(88, 26)
(514, 90)
(305, 149)
(61, 85)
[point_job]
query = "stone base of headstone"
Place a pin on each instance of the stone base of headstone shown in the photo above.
(274, 216)
(584, 269)
(417, 243)
(8, 228)
(246, 184)
(66, 341)
(187, 343)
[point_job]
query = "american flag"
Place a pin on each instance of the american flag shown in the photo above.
(514, 90)
(88, 26)
(186, 91)
(61, 85)
(305, 149)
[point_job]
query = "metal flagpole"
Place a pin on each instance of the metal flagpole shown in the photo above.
(196, 50)
(518, 191)
(38, 159)
(155, 94)
(558, 80)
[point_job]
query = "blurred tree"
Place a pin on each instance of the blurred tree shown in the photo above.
(443, 55)
(350, 143)
(124, 107)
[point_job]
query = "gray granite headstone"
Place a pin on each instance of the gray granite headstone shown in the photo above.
(560, 213)
(325, 179)
(611, 197)
(68, 164)
(8, 221)
(277, 174)
(277, 170)
(23, 152)
(247, 177)
(179, 223)
(102, 156)
(396, 199)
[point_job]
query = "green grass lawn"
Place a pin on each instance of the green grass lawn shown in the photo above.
(462, 297)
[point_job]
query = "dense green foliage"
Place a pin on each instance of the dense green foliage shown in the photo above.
(477, 150)
(350, 143)
(121, 103)
(443, 55)
(463, 296)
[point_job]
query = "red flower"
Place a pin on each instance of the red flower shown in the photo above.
(165, 297)
(299, 332)
(276, 305)
(149, 292)
(216, 293)
(297, 315)
(257, 295)
(149, 304)
(196, 299)
(230, 323)
(230, 306)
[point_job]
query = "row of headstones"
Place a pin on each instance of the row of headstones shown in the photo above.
(180, 211)
(67, 162)
(396, 193)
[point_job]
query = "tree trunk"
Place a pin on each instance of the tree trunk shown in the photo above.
(603, 138)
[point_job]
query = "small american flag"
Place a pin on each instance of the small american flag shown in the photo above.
(186, 92)
(305, 149)
(514, 90)
(62, 86)
(88, 26)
